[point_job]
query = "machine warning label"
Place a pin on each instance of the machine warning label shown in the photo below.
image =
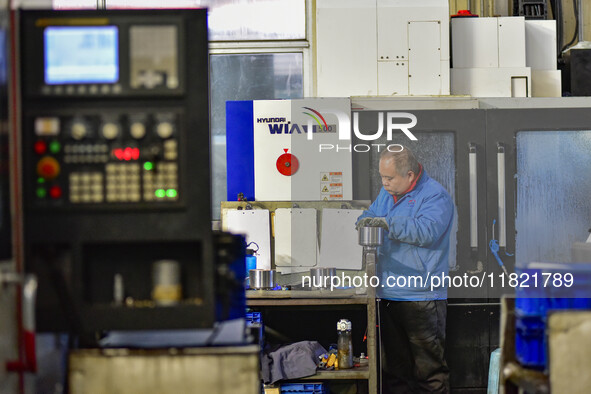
(331, 186)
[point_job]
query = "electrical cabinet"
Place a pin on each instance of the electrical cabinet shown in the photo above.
(383, 47)
(489, 57)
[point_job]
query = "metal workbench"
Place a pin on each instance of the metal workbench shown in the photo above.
(326, 298)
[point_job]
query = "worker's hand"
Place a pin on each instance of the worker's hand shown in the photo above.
(379, 222)
(362, 223)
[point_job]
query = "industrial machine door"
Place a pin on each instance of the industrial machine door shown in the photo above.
(451, 152)
(538, 166)
(451, 146)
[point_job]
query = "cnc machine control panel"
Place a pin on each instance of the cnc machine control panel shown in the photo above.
(115, 165)
(89, 159)
(107, 98)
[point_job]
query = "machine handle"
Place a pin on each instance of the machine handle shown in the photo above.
(473, 177)
(29, 363)
(29, 301)
(501, 195)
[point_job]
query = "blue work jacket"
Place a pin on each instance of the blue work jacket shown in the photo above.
(417, 246)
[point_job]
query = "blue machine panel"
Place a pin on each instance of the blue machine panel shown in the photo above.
(240, 149)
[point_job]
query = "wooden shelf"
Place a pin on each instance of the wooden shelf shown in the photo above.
(294, 297)
(352, 374)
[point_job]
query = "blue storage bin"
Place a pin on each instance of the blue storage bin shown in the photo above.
(529, 323)
(530, 340)
(312, 388)
(533, 304)
(253, 317)
(255, 320)
(530, 348)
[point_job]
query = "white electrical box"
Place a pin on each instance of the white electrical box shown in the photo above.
(346, 48)
(424, 55)
(474, 41)
(540, 44)
(489, 58)
(546, 83)
(393, 78)
(491, 82)
(540, 54)
(511, 32)
(382, 47)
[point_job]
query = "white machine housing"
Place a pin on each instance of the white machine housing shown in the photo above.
(540, 50)
(322, 175)
(489, 58)
(382, 47)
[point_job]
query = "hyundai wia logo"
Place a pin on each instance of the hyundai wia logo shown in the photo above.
(390, 122)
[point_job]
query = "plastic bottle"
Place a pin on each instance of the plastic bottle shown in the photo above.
(344, 344)
(251, 264)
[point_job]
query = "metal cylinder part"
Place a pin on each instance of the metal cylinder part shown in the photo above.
(118, 289)
(166, 282)
(321, 276)
(261, 279)
(371, 236)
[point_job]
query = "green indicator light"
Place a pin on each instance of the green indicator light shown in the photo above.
(160, 193)
(148, 166)
(41, 192)
(40, 180)
(171, 193)
(55, 147)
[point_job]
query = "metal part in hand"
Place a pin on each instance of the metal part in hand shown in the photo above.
(363, 222)
(379, 222)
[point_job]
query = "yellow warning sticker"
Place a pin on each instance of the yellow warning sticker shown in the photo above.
(331, 185)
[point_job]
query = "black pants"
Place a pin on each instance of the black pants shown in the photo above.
(413, 343)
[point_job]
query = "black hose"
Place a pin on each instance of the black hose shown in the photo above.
(576, 33)
(558, 18)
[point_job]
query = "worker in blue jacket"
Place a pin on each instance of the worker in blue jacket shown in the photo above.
(417, 213)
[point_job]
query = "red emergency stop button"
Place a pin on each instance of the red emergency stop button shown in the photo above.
(40, 147)
(48, 167)
(287, 164)
(55, 192)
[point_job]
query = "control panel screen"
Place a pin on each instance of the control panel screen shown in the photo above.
(81, 54)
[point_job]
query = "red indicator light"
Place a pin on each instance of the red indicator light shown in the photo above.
(118, 153)
(126, 154)
(40, 147)
(55, 192)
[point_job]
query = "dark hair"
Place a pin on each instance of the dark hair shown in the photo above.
(404, 160)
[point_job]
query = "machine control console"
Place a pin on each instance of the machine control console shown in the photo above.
(107, 158)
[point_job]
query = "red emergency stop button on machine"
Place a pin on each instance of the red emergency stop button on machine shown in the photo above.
(287, 164)
(48, 167)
